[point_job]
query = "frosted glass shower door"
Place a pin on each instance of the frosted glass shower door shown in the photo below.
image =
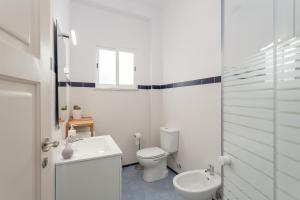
(261, 99)
(288, 100)
(288, 120)
(248, 99)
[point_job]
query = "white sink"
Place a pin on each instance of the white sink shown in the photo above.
(96, 145)
(197, 185)
(92, 148)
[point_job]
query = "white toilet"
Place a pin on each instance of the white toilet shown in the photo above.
(154, 159)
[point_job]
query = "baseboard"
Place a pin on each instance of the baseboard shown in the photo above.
(172, 170)
(128, 165)
(132, 164)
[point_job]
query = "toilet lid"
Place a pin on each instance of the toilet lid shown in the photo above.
(153, 152)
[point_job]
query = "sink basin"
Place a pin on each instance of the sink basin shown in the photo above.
(92, 148)
(96, 145)
(197, 185)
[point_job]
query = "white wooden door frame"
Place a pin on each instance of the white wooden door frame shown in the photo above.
(46, 94)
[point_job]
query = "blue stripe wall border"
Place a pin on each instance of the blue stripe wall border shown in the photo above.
(203, 81)
(77, 84)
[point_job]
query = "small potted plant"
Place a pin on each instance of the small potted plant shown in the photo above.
(64, 113)
(76, 112)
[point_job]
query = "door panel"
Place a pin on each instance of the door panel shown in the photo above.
(19, 24)
(248, 99)
(261, 99)
(19, 169)
(16, 19)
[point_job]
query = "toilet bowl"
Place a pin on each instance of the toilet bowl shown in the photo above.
(154, 159)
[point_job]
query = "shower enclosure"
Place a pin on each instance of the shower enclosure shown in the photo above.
(261, 99)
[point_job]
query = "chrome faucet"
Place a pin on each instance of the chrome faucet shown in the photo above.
(211, 170)
(72, 139)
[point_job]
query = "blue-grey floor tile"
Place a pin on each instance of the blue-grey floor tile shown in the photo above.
(135, 188)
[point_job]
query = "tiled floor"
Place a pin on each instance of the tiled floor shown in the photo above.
(134, 188)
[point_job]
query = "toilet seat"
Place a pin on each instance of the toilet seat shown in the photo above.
(151, 153)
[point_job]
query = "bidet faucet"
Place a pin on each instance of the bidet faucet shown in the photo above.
(211, 170)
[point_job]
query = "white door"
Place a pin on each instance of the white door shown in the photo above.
(25, 111)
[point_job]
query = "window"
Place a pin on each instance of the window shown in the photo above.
(107, 67)
(116, 69)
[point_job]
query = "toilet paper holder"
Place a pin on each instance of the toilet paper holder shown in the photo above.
(137, 137)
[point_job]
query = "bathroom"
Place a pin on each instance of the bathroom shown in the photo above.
(150, 99)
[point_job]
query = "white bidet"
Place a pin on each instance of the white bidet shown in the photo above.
(197, 185)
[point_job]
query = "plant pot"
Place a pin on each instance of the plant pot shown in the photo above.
(77, 114)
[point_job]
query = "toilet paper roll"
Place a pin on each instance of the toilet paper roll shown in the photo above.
(137, 138)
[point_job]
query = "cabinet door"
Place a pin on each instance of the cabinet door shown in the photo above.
(97, 179)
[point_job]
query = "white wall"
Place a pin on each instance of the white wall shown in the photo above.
(191, 39)
(191, 49)
(106, 28)
(118, 113)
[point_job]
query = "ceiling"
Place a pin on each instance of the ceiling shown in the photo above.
(133, 7)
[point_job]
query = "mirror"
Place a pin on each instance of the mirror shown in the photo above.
(62, 77)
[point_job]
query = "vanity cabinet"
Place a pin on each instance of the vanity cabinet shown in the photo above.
(92, 178)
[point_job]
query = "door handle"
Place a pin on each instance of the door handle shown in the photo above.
(47, 144)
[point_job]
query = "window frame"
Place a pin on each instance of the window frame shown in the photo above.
(117, 86)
